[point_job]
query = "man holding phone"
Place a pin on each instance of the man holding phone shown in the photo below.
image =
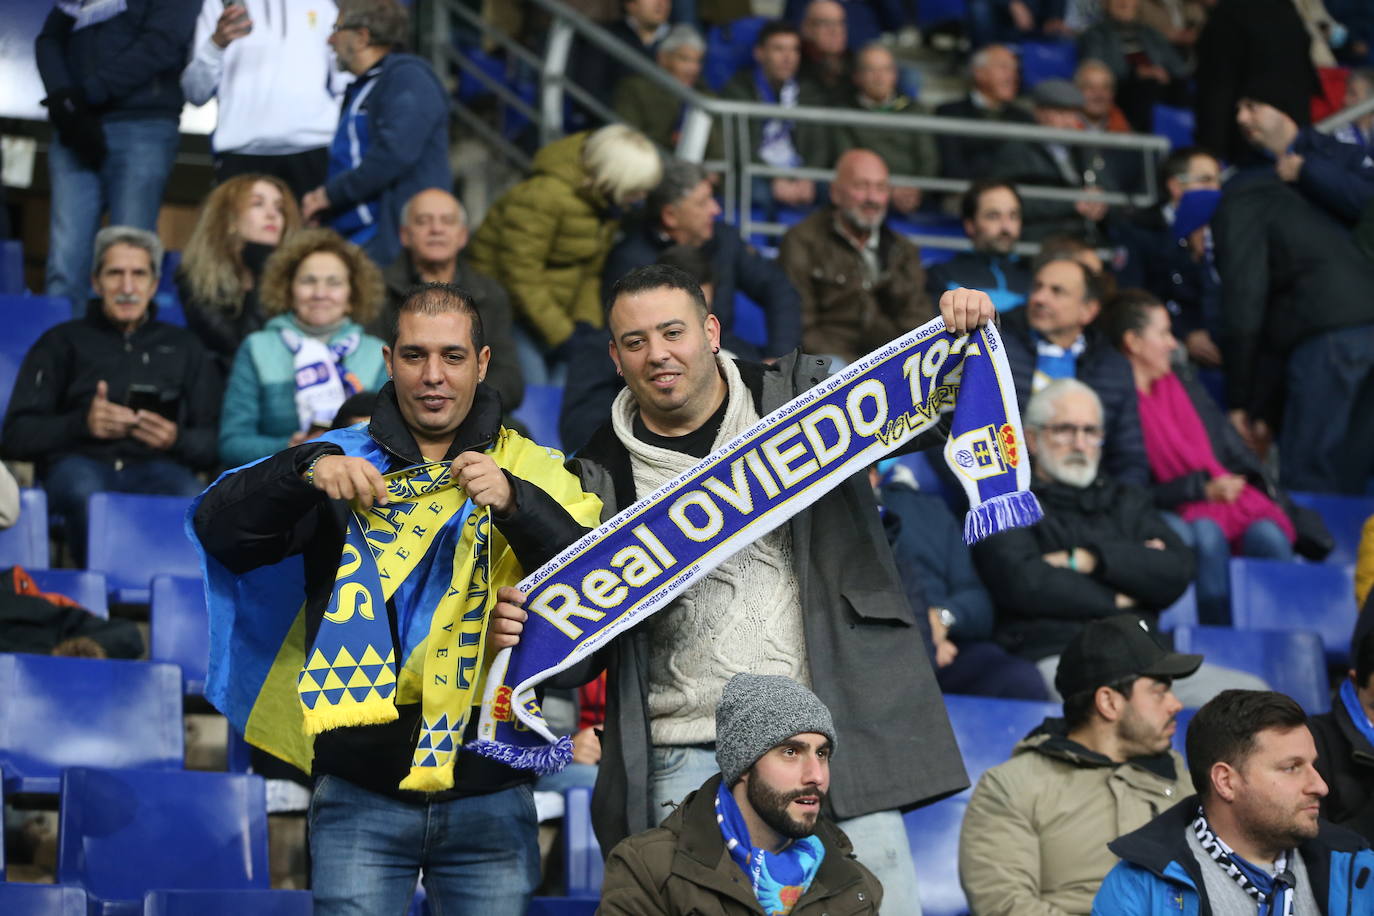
(117, 400)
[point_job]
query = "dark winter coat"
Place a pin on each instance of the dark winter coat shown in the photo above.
(1345, 759)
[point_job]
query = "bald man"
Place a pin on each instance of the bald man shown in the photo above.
(861, 284)
(434, 231)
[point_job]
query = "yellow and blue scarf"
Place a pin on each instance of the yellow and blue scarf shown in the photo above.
(430, 553)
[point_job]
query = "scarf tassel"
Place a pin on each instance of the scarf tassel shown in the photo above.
(1008, 510)
(551, 758)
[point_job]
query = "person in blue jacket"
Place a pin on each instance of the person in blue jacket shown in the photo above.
(392, 139)
(1251, 840)
(112, 72)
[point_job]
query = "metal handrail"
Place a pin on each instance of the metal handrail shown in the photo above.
(1343, 117)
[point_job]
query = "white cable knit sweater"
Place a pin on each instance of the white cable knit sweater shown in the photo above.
(744, 616)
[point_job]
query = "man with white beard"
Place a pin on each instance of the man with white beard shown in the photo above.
(1102, 549)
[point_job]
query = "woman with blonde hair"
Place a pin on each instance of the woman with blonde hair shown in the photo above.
(547, 238)
(290, 378)
(240, 225)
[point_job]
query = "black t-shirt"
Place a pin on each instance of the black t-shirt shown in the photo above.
(698, 443)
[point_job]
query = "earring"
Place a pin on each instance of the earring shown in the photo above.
(715, 349)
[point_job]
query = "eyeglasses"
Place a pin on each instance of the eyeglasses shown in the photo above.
(1065, 433)
(346, 26)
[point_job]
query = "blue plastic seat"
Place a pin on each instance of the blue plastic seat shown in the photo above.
(133, 538)
(42, 900)
(986, 731)
(1291, 661)
(1344, 516)
(122, 833)
(582, 859)
(12, 267)
(1274, 595)
(1184, 717)
(180, 625)
(730, 47)
(1043, 60)
(539, 412)
(563, 906)
(938, 12)
(25, 318)
(86, 588)
(25, 543)
(750, 322)
(227, 903)
(1177, 125)
(1182, 613)
(66, 712)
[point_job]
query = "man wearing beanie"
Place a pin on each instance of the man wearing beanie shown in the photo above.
(752, 839)
(1035, 835)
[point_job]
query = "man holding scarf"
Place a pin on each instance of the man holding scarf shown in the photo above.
(397, 534)
(817, 599)
(774, 743)
(1251, 840)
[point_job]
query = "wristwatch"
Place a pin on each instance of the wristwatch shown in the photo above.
(946, 616)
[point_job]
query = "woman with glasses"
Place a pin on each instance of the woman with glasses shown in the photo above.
(1213, 488)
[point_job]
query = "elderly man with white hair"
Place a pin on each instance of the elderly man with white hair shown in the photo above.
(1102, 549)
(644, 104)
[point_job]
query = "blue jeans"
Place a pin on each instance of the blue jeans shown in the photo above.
(1263, 539)
(1326, 448)
(129, 184)
(71, 479)
(479, 854)
(535, 364)
(880, 840)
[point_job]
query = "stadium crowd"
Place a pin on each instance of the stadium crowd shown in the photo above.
(1182, 369)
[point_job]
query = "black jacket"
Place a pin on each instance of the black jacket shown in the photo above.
(1289, 270)
(286, 516)
(1345, 759)
(1031, 163)
(1164, 265)
(57, 381)
(1103, 369)
(493, 305)
(1042, 607)
(736, 266)
(971, 157)
(1004, 278)
(219, 330)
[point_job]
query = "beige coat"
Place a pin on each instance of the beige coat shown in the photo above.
(1034, 839)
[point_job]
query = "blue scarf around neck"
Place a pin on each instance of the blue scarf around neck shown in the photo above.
(1357, 713)
(778, 878)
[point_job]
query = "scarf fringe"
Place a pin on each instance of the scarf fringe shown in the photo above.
(544, 760)
(323, 720)
(1009, 510)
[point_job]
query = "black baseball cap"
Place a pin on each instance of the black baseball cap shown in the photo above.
(1113, 649)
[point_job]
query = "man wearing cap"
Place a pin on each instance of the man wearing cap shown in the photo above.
(1058, 104)
(753, 837)
(1035, 834)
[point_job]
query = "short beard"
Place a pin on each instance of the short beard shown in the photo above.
(771, 807)
(1073, 475)
(855, 217)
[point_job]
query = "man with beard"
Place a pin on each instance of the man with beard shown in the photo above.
(761, 815)
(1251, 839)
(1101, 550)
(861, 284)
(1035, 834)
(992, 221)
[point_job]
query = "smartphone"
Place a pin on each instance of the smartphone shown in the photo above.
(149, 398)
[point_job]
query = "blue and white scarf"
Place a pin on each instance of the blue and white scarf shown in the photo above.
(778, 879)
(323, 383)
(1274, 896)
(91, 12)
(1356, 710)
(777, 147)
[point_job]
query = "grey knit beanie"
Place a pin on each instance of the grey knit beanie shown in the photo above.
(760, 711)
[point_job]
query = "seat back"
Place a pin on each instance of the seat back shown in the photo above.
(227, 903)
(1182, 613)
(1177, 125)
(1044, 60)
(730, 47)
(122, 833)
(133, 538)
(986, 731)
(180, 624)
(1344, 517)
(1182, 720)
(25, 318)
(11, 267)
(1272, 595)
(86, 588)
(26, 541)
(42, 900)
(581, 853)
(539, 412)
(1291, 661)
(65, 712)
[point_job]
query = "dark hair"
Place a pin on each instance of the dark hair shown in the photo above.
(1363, 658)
(1079, 707)
(691, 261)
(387, 21)
(656, 276)
(1175, 165)
(1129, 310)
(438, 299)
(776, 27)
(968, 205)
(1224, 730)
(358, 405)
(679, 179)
(1092, 283)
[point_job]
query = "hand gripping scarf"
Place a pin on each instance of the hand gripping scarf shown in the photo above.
(616, 576)
(430, 552)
